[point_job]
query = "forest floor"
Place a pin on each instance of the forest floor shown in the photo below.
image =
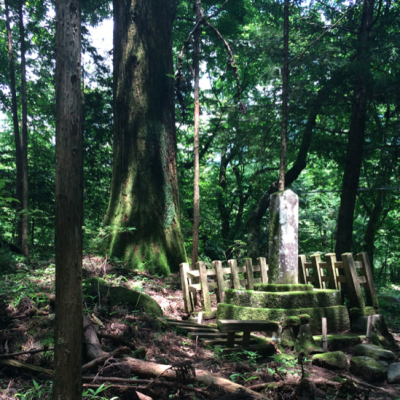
(27, 322)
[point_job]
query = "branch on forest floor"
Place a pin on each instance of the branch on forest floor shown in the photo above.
(29, 367)
(102, 359)
(33, 351)
(117, 338)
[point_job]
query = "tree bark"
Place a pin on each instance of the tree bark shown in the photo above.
(285, 96)
(14, 110)
(144, 186)
(355, 143)
(24, 141)
(68, 203)
(196, 140)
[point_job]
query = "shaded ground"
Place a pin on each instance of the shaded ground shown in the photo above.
(27, 322)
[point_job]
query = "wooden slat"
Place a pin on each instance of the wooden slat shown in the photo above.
(194, 287)
(230, 325)
(257, 280)
(220, 281)
(208, 335)
(369, 287)
(341, 278)
(310, 279)
(227, 271)
(256, 268)
(241, 270)
(323, 265)
(325, 278)
(362, 279)
(338, 264)
(302, 275)
(358, 264)
(352, 283)
(308, 264)
(214, 342)
(188, 328)
(204, 293)
(235, 275)
(262, 262)
(193, 274)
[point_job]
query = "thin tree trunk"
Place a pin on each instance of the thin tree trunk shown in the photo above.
(285, 96)
(14, 109)
(69, 203)
(196, 141)
(351, 176)
(24, 140)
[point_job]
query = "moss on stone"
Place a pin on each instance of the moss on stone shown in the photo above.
(337, 342)
(287, 300)
(332, 360)
(361, 312)
(291, 321)
(367, 368)
(121, 295)
(277, 287)
(337, 316)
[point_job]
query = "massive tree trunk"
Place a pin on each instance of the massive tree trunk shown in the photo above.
(196, 140)
(355, 143)
(23, 233)
(68, 203)
(14, 110)
(144, 188)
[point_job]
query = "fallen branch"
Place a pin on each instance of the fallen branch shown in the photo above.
(29, 367)
(94, 378)
(369, 386)
(117, 338)
(152, 369)
(33, 351)
(103, 358)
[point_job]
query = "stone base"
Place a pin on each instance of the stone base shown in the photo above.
(276, 287)
(299, 299)
(337, 316)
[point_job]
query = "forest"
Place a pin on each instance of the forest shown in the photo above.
(121, 162)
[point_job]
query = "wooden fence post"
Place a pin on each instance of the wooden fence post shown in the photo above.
(369, 286)
(205, 294)
(324, 335)
(262, 262)
(369, 329)
(250, 273)
(330, 266)
(315, 261)
(217, 265)
(183, 268)
(303, 272)
(232, 264)
(352, 282)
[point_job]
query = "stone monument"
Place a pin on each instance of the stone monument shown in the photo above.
(283, 238)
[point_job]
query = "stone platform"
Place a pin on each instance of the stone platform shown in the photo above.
(277, 301)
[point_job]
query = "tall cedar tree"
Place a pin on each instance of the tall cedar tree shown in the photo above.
(196, 140)
(68, 203)
(144, 188)
(355, 143)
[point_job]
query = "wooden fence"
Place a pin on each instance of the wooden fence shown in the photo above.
(333, 279)
(197, 280)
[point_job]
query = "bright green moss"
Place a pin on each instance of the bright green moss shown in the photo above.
(277, 287)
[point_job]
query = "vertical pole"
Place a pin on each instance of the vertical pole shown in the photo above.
(184, 267)
(369, 287)
(234, 274)
(302, 269)
(324, 335)
(315, 260)
(205, 294)
(330, 266)
(369, 329)
(220, 281)
(262, 262)
(250, 273)
(352, 283)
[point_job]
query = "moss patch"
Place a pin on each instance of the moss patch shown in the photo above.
(337, 342)
(361, 312)
(277, 287)
(121, 295)
(333, 360)
(337, 316)
(251, 298)
(367, 368)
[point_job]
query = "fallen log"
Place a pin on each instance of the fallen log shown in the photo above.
(93, 347)
(105, 357)
(29, 367)
(151, 369)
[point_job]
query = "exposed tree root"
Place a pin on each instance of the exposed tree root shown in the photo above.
(29, 367)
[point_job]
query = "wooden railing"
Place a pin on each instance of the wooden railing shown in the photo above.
(196, 280)
(333, 278)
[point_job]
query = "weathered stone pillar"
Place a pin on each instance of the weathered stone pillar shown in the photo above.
(283, 237)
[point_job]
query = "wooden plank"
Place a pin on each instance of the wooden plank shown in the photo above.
(310, 279)
(202, 329)
(308, 264)
(315, 260)
(193, 274)
(231, 339)
(369, 287)
(221, 341)
(204, 294)
(196, 274)
(241, 270)
(323, 265)
(250, 273)
(325, 279)
(208, 335)
(220, 281)
(353, 286)
(246, 339)
(194, 287)
(341, 278)
(256, 268)
(232, 325)
(190, 324)
(358, 264)
(331, 270)
(257, 280)
(362, 279)
(338, 264)
(262, 262)
(235, 274)
(184, 269)
(226, 271)
(302, 270)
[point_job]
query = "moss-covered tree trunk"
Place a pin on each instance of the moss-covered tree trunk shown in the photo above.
(144, 188)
